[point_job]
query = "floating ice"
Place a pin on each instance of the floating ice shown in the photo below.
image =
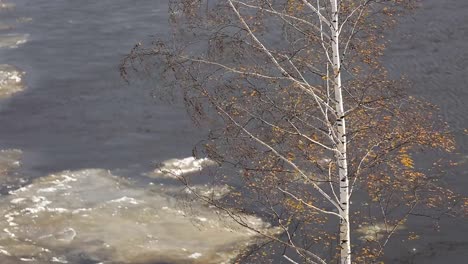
(93, 216)
(4, 252)
(195, 255)
(5, 5)
(375, 232)
(9, 159)
(24, 19)
(10, 80)
(125, 199)
(215, 192)
(13, 40)
(59, 260)
(9, 162)
(28, 259)
(177, 167)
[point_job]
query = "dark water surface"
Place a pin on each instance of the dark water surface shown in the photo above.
(77, 113)
(430, 48)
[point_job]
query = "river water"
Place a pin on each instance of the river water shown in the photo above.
(76, 121)
(429, 47)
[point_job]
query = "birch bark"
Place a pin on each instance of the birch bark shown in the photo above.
(341, 159)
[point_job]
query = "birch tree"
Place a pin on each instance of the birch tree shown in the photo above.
(297, 100)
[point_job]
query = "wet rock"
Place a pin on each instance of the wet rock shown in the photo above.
(92, 215)
(11, 80)
(13, 40)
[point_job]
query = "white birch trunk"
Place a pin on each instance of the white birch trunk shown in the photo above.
(345, 243)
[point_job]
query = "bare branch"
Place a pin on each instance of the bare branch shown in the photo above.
(309, 89)
(308, 204)
(319, 14)
(283, 16)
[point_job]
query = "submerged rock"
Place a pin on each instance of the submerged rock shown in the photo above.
(13, 40)
(11, 80)
(91, 215)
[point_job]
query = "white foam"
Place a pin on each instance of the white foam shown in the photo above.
(4, 252)
(47, 190)
(195, 255)
(11, 79)
(11, 234)
(28, 259)
(125, 199)
(79, 210)
(59, 260)
(18, 200)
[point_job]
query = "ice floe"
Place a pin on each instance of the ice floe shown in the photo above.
(375, 232)
(92, 216)
(174, 168)
(11, 80)
(13, 40)
(6, 5)
(10, 161)
(215, 192)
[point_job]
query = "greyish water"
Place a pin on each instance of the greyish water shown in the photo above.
(76, 124)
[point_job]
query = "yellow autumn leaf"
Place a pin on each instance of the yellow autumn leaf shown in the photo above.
(406, 161)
